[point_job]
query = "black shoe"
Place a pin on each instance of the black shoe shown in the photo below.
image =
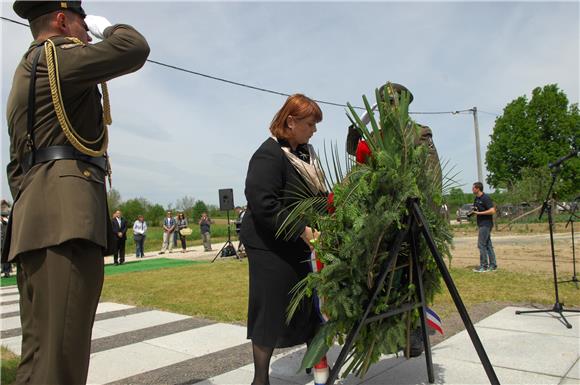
(308, 370)
(116, 263)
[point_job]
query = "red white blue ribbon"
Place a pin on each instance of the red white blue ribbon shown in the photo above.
(433, 320)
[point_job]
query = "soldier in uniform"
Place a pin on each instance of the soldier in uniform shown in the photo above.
(56, 173)
(425, 137)
(425, 134)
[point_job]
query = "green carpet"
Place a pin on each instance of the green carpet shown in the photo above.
(128, 267)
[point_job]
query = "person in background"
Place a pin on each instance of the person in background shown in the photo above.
(139, 231)
(205, 230)
(5, 208)
(277, 170)
(181, 223)
(120, 229)
(240, 217)
(484, 210)
(168, 229)
(58, 232)
(175, 233)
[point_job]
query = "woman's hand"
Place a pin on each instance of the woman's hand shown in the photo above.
(309, 235)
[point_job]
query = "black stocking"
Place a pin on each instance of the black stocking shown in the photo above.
(262, 355)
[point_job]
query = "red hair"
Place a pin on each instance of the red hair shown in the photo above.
(298, 106)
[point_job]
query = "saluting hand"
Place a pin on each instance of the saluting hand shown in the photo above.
(97, 25)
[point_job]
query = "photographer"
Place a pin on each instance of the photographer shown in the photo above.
(484, 209)
(205, 230)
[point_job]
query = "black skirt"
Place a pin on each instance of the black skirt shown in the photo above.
(272, 276)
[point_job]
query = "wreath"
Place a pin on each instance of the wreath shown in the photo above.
(358, 221)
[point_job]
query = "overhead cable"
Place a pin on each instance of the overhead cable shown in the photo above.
(177, 68)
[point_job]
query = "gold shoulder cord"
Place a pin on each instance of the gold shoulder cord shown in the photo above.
(71, 134)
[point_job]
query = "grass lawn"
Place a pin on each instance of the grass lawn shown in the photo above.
(9, 365)
(219, 290)
(134, 266)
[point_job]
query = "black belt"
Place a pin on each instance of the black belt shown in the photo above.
(46, 154)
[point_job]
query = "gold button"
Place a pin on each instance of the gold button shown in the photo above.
(87, 173)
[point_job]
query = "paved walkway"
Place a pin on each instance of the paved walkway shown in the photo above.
(134, 345)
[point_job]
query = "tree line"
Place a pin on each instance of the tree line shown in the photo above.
(527, 136)
(154, 213)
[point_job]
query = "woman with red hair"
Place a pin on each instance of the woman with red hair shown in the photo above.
(280, 172)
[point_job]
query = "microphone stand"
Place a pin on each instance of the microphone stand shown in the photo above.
(558, 306)
(570, 222)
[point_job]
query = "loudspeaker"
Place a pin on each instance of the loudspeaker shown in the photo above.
(226, 199)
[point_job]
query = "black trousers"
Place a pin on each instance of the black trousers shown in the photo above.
(119, 256)
(59, 290)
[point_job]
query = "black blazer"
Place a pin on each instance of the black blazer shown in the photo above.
(272, 184)
(119, 229)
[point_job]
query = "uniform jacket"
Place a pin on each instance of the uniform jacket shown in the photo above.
(272, 184)
(62, 200)
(119, 228)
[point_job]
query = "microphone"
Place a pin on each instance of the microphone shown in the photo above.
(572, 154)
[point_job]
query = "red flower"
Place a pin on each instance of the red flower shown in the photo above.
(330, 203)
(363, 152)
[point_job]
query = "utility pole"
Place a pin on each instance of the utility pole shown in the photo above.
(477, 148)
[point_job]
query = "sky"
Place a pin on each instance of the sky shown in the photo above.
(175, 134)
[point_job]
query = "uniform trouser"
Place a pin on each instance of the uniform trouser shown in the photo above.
(59, 290)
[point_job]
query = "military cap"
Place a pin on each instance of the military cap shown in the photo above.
(32, 9)
(397, 88)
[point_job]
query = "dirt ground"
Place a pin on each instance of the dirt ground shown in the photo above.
(524, 248)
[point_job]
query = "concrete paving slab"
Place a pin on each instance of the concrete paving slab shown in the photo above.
(14, 322)
(100, 333)
(137, 321)
(245, 376)
(203, 340)
(105, 307)
(569, 381)
(546, 323)
(10, 323)
(10, 308)
(450, 371)
(575, 371)
(533, 352)
(8, 297)
(115, 364)
(14, 344)
(286, 365)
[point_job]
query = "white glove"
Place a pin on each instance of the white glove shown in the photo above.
(97, 25)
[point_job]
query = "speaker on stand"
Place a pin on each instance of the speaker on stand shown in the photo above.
(226, 198)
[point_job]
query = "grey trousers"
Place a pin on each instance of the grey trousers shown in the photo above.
(59, 290)
(206, 238)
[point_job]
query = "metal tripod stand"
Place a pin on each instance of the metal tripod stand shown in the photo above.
(558, 306)
(416, 225)
(228, 245)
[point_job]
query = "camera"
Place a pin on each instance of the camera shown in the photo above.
(473, 209)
